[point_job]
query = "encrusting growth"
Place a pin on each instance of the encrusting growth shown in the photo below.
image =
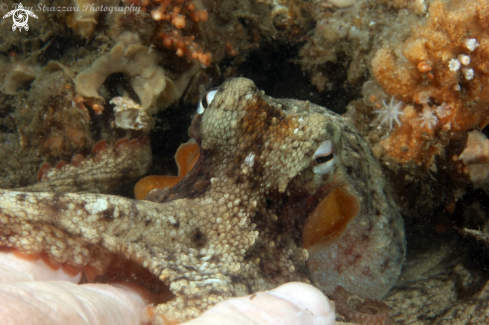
(174, 16)
(442, 76)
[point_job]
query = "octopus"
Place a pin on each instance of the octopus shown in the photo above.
(283, 190)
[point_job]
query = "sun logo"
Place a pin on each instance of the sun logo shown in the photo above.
(20, 17)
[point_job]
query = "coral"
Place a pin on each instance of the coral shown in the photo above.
(453, 65)
(458, 78)
(427, 118)
(439, 72)
(177, 12)
(390, 113)
(185, 45)
(360, 310)
(443, 110)
(341, 46)
(404, 141)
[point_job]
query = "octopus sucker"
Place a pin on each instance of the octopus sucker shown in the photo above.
(237, 222)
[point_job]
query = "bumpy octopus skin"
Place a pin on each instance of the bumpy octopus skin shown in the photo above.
(235, 224)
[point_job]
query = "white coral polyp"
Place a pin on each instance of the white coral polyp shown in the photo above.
(454, 65)
(468, 73)
(390, 113)
(464, 59)
(429, 119)
(471, 44)
(443, 110)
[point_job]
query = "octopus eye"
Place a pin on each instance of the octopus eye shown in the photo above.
(323, 159)
(206, 100)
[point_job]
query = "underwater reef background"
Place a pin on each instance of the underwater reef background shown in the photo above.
(92, 101)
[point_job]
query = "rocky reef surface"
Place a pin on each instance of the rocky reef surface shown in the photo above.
(92, 100)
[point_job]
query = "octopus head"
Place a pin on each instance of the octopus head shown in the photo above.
(310, 169)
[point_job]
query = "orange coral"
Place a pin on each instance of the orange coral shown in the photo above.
(185, 45)
(177, 12)
(446, 73)
(410, 141)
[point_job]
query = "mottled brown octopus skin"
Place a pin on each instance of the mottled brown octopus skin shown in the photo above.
(101, 172)
(234, 225)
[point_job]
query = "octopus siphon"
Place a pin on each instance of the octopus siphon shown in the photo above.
(283, 190)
